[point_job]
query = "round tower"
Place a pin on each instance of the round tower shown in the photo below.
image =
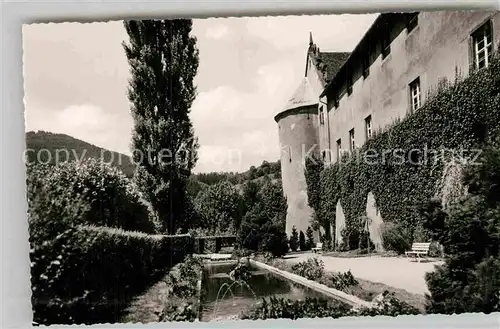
(298, 136)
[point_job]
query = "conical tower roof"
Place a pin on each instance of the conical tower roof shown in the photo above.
(303, 96)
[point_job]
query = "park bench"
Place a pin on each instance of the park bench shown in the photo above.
(419, 250)
(319, 247)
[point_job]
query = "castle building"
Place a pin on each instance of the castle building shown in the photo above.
(298, 126)
(345, 97)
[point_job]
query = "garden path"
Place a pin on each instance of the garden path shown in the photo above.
(397, 272)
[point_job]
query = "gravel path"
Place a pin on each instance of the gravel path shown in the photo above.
(398, 272)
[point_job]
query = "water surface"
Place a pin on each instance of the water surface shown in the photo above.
(221, 303)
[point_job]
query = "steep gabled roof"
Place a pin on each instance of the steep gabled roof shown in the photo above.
(330, 63)
(327, 63)
(378, 28)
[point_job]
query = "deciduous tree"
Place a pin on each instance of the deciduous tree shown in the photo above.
(163, 60)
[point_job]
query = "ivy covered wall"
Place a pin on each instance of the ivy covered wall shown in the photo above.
(403, 164)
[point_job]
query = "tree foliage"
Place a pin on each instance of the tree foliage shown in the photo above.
(310, 238)
(44, 147)
(163, 60)
(469, 231)
(302, 241)
(251, 193)
(90, 192)
(219, 208)
(272, 169)
(294, 239)
(263, 226)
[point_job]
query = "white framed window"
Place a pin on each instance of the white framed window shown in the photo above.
(368, 127)
(482, 43)
(352, 140)
(415, 94)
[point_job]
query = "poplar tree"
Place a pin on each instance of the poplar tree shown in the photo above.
(163, 60)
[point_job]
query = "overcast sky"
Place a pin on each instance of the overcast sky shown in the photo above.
(76, 77)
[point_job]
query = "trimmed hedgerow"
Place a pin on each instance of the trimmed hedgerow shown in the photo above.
(88, 274)
(459, 117)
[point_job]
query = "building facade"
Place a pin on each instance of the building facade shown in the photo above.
(399, 60)
(388, 75)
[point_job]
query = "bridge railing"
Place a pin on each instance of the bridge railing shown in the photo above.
(220, 241)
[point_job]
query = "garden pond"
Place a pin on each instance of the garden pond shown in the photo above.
(224, 298)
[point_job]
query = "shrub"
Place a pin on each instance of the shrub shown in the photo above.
(263, 226)
(182, 279)
(310, 238)
(395, 237)
(89, 192)
(326, 241)
(280, 308)
(342, 281)
(365, 243)
(457, 286)
(274, 240)
(469, 231)
(388, 305)
(294, 239)
(50, 212)
(312, 269)
(302, 241)
(87, 274)
(249, 236)
(435, 249)
(353, 238)
(184, 312)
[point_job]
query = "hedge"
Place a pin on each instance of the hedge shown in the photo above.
(103, 195)
(88, 274)
(458, 116)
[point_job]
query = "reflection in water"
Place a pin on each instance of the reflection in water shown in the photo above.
(220, 303)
